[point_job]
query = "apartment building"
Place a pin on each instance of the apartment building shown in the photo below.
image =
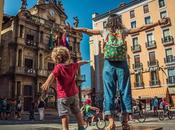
(151, 53)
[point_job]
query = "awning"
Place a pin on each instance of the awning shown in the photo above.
(171, 90)
(150, 93)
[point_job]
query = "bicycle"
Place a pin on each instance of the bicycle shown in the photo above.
(139, 115)
(98, 120)
(165, 113)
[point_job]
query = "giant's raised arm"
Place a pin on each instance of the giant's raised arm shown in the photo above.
(163, 21)
(87, 31)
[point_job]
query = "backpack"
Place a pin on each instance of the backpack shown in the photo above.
(115, 47)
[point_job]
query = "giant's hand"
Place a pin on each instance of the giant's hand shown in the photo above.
(163, 21)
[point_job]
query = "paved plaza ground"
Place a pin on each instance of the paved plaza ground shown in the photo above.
(36, 125)
(52, 122)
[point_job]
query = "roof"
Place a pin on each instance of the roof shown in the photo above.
(121, 7)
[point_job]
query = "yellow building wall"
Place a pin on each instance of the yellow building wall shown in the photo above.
(154, 13)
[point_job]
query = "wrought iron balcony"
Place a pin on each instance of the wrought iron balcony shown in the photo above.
(137, 66)
(171, 80)
(151, 44)
(42, 72)
(136, 48)
(154, 82)
(153, 63)
(25, 70)
(168, 40)
(30, 43)
(139, 84)
(169, 60)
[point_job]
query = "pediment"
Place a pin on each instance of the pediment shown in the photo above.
(49, 12)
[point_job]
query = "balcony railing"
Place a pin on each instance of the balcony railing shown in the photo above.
(139, 84)
(169, 59)
(24, 70)
(136, 48)
(168, 40)
(153, 63)
(171, 80)
(151, 44)
(30, 43)
(154, 82)
(137, 66)
(42, 72)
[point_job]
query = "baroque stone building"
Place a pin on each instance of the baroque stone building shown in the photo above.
(25, 49)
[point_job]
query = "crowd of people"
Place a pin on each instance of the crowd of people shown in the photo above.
(10, 108)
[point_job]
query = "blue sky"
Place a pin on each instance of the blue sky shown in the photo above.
(81, 8)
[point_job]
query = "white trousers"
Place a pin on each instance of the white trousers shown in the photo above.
(41, 113)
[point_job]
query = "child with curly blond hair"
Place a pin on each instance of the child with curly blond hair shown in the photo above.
(64, 73)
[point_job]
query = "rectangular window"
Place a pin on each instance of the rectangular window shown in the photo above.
(29, 39)
(133, 24)
(138, 79)
(152, 56)
(21, 33)
(171, 72)
(148, 20)
(18, 88)
(19, 57)
(135, 41)
(163, 14)
(169, 52)
(137, 59)
(154, 77)
(149, 37)
(171, 75)
(166, 33)
(145, 9)
(132, 14)
(161, 3)
(28, 63)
